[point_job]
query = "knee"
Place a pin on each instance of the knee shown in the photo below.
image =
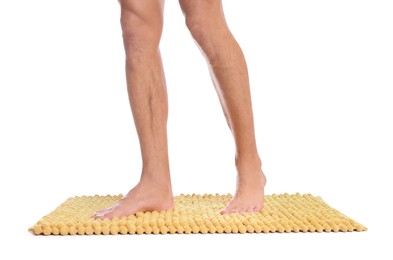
(205, 20)
(211, 35)
(199, 29)
(208, 28)
(139, 32)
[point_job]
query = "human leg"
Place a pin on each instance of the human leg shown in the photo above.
(206, 21)
(141, 22)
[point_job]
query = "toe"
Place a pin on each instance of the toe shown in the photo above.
(100, 212)
(105, 215)
(235, 210)
(257, 208)
(98, 216)
(227, 210)
(250, 209)
(224, 211)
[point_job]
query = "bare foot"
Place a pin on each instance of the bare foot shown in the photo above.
(249, 196)
(147, 195)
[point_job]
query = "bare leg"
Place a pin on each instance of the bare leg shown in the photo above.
(206, 22)
(142, 22)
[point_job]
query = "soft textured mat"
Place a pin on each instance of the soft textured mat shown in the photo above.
(198, 214)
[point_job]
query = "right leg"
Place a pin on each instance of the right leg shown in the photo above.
(142, 22)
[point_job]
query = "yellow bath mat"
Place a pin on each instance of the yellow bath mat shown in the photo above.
(198, 214)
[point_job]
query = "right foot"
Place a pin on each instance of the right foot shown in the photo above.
(147, 195)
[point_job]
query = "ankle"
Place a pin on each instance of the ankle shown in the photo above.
(248, 160)
(160, 180)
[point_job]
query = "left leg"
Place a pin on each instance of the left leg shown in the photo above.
(206, 22)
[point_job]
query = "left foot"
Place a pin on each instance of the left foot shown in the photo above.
(148, 195)
(249, 196)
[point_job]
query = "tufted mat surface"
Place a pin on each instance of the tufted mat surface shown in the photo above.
(195, 213)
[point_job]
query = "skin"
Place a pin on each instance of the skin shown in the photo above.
(142, 24)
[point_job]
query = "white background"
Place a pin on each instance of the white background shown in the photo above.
(321, 75)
